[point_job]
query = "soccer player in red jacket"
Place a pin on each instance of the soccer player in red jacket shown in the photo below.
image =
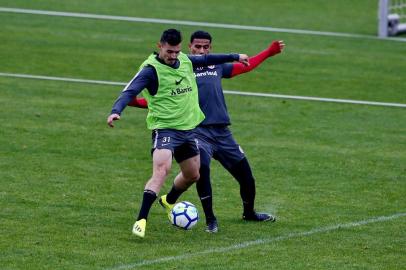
(215, 138)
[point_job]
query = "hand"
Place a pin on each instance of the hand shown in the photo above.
(276, 47)
(244, 59)
(111, 118)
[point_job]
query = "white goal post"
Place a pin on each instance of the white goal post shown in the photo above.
(392, 17)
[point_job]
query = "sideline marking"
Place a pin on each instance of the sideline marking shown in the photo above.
(63, 79)
(231, 92)
(193, 23)
(336, 100)
(259, 242)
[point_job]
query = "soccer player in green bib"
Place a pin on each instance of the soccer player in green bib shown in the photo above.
(168, 84)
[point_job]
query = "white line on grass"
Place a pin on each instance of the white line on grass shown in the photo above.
(350, 101)
(259, 242)
(63, 79)
(231, 92)
(191, 23)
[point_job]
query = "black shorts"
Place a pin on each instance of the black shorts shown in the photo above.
(182, 143)
(218, 142)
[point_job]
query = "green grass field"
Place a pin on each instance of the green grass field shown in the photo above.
(334, 174)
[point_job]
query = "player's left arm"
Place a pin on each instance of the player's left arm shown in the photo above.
(275, 48)
(205, 60)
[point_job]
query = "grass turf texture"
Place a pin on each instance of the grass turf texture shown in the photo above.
(70, 185)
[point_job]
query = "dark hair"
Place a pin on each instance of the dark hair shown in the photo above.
(200, 35)
(171, 36)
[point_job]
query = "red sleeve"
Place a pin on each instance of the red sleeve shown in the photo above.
(240, 68)
(139, 102)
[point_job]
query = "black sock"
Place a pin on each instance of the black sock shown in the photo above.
(148, 199)
(243, 174)
(174, 195)
(203, 187)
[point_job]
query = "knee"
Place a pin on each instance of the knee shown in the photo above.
(161, 171)
(190, 170)
(194, 176)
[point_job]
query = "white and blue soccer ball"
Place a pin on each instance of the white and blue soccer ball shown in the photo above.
(184, 215)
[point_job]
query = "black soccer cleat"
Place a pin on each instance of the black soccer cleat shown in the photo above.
(212, 226)
(258, 217)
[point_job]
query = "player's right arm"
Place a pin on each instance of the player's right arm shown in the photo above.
(146, 78)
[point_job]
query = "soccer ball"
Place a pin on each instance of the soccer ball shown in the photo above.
(184, 215)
